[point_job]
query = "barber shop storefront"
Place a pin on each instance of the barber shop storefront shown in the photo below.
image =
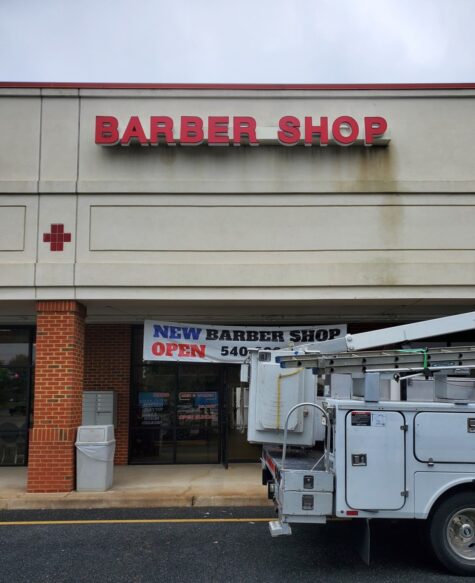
(150, 236)
(188, 404)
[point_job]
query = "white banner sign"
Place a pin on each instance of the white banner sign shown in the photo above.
(168, 341)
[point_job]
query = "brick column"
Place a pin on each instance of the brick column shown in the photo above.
(107, 358)
(59, 377)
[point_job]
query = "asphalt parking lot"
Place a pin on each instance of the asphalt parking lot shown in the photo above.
(199, 544)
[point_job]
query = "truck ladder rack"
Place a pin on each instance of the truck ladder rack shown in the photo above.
(411, 360)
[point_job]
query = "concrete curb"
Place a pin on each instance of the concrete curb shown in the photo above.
(129, 499)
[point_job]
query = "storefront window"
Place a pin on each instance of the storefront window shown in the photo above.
(15, 390)
(186, 413)
(14, 347)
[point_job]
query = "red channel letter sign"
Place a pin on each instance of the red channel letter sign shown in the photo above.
(193, 130)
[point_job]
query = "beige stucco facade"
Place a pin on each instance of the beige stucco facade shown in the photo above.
(238, 234)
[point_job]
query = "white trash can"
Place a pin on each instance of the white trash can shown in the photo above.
(95, 448)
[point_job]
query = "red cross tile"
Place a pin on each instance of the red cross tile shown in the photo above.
(57, 238)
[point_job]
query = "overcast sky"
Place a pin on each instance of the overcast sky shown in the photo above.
(238, 41)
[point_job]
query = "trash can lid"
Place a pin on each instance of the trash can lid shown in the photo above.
(95, 434)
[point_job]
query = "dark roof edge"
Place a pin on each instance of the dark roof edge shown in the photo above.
(239, 86)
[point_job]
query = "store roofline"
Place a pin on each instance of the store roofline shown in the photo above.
(239, 86)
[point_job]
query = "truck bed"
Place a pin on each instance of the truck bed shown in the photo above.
(296, 459)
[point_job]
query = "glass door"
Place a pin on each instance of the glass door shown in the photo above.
(197, 413)
(175, 414)
(152, 432)
(187, 413)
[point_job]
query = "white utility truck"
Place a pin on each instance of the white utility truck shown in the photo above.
(355, 434)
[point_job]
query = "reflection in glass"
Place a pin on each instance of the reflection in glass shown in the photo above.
(153, 431)
(152, 444)
(14, 347)
(13, 395)
(15, 373)
(12, 445)
(198, 413)
(197, 427)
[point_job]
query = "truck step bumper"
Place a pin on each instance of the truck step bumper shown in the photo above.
(278, 528)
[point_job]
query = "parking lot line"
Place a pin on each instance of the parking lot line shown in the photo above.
(133, 521)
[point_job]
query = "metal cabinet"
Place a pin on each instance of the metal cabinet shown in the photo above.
(99, 408)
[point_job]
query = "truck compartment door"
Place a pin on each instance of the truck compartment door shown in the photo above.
(445, 437)
(375, 460)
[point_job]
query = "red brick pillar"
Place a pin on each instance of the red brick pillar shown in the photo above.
(59, 377)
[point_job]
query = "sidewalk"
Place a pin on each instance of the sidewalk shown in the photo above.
(147, 487)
